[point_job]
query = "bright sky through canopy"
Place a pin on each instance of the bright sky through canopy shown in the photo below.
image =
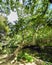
(50, 6)
(12, 17)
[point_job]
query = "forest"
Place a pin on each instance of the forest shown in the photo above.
(25, 32)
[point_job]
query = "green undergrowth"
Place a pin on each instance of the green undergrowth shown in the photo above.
(25, 56)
